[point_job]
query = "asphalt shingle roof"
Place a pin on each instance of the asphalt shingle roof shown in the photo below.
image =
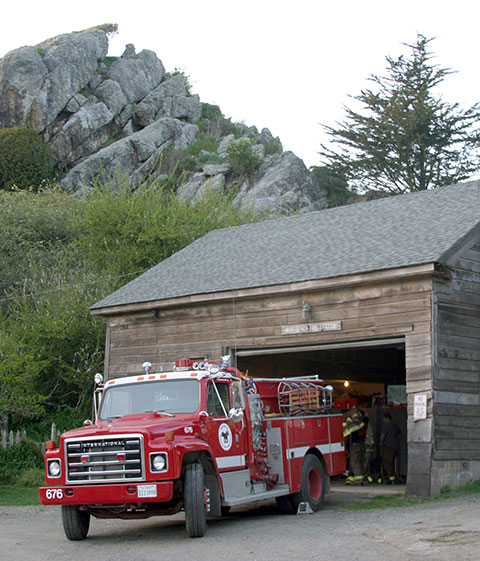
(399, 231)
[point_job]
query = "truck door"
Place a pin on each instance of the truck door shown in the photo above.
(227, 434)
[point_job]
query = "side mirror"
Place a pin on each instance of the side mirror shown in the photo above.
(236, 415)
(203, 416)
(87, 423)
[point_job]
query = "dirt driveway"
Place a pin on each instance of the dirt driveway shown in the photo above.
(438, 531)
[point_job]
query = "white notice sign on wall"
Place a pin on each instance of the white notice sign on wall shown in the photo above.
(420, 406)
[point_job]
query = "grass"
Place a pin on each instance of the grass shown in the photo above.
(400, 501)
(13, 495)
(387, 501)
(21, 488)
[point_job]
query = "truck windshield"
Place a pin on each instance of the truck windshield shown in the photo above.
(169, 396)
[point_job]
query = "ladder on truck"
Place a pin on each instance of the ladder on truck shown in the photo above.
(299, 396)
(303, 398)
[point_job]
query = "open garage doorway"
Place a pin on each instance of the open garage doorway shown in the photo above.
(370, 373)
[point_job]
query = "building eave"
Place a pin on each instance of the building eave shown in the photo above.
(414, 271)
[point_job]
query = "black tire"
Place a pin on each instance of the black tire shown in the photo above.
(75, 522)
(194, 498)
(313, 483)
(286, 505)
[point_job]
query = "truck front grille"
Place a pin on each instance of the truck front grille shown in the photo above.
(100, 458)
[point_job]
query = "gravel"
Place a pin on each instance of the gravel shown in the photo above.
(437, 531)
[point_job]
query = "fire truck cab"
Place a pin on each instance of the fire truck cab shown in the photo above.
(202, 438)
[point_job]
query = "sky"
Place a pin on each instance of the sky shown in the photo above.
(289, 66)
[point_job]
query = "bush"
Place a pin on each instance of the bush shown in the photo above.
(31, 477)
(242, 158)
(204, 143)
(211, 112)
(215, 124)
(25, 455)
(273, 146)
(128, 232)
(25, 160)
(65, 342)
(209, 159)
(34, 227)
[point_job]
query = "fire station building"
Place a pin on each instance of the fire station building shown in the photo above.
(381, 299)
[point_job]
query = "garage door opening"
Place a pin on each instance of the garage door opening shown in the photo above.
(371, 373)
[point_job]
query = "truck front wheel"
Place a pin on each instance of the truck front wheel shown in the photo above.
(194, 498)
(75, 522)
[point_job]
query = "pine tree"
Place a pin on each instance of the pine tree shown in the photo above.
(405, 138)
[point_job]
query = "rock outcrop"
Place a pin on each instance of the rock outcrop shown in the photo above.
(285, 185)
(282, 184)
(119, 116)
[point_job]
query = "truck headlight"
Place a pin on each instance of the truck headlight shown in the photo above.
(54, 468)
(158, 462)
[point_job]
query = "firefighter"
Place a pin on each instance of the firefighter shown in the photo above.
(355, 426)
(390, 442)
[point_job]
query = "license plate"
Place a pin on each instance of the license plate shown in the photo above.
(146, 490)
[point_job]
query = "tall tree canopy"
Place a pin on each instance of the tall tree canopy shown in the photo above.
(404, 138)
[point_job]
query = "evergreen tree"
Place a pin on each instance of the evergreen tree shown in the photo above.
(336, 185)
(404, 138)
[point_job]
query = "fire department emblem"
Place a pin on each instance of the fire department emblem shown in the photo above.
(225, 436)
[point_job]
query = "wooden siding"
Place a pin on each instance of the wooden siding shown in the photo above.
(457, 370)
(382, 310)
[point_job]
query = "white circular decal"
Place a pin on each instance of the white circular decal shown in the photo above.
(225, 436)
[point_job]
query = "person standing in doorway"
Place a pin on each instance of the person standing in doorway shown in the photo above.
(355, 427)
(390, 443)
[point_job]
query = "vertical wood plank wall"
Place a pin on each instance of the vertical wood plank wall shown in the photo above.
(379, 310)
(456, 455)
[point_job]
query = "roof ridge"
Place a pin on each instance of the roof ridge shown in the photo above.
(354, 205)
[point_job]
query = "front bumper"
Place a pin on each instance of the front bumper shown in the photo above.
(115, 493)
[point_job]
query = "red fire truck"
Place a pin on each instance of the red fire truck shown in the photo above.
(201, 438)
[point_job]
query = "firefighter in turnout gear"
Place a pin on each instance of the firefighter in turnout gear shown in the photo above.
(355, 428)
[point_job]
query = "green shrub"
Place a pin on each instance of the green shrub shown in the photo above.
(242, 158)
(129, 231)
(20, 457)
(209, 159)
(25, 159)
(108, 28)
(273, 146)
(204, 143)
(35, 226)
(215, 124)
(102, 71)
(86, 91)
(109, 60)
(6, 476)
(211, 112)
(31, 477)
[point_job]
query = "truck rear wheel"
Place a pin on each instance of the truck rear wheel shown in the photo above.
(194, 497)
(313, 484)
(75, 522)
